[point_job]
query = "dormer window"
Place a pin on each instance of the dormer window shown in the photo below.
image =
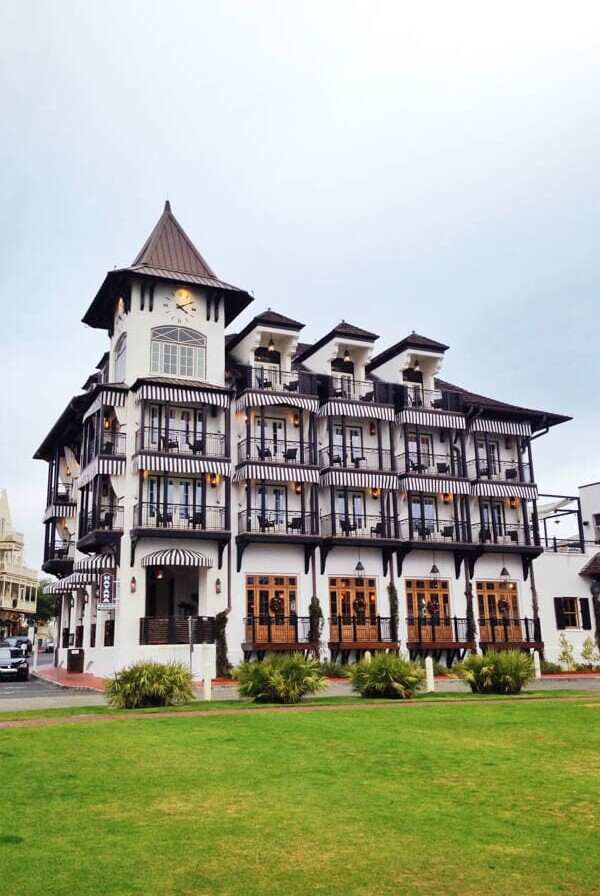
(177, 351)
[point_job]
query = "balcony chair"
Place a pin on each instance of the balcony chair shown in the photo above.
(196, 447)
(264, 453)
(165, 519)
(447, 532)
(357, 460)
(292, 386)
(485, 535)
(417, 468)
(378, 529)
(107, 520)
(368, 396)
(513, 534)
(290, 453)
(423, 531)
(336, 459)
(437, 403)
(264, 523)
(265, 384)
(107, 447)
(347, 526)
(511, 473)
(443, 468)
(195, 519)
(295, 524)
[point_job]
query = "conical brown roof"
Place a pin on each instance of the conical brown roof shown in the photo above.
(169, 248)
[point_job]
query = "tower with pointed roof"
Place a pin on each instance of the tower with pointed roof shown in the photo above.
(18, 583)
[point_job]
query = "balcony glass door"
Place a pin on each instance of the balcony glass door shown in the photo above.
(489, 461)
(424, 514)
(498, 605)
(270, 440)
(423, 460)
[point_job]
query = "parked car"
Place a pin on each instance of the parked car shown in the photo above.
(13, 664)
(19, 641)
(50, 646)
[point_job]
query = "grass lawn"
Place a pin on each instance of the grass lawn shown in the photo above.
(415, 799)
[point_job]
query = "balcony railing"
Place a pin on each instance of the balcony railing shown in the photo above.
(275, 380)
(107, 443)
(181, 441)
(500, 470)
(506, 630)
(356, 526)
(277, 522)
(362, 629)
(281, 452)
(109, 519)
(276, 629)
(356, 458)
(444, 530)
(150, 515)
(433, 629)
(62, 494)
(415, 396)
(61, 550)
(176, 630)
(505, 534)
(431, 464)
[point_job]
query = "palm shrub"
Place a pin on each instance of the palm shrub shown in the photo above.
(386, 675)
(496, 672)
(150, 684)
(282, 678)
(333, 669)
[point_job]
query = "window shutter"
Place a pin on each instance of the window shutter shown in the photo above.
(558, 610)
(584, 609)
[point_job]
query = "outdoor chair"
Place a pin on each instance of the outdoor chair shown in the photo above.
(265, 523)
(263, 453)
(290, 454)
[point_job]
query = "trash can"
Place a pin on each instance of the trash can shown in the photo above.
(75, 659)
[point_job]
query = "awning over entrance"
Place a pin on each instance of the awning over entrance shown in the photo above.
(176, 557)
(95, 562)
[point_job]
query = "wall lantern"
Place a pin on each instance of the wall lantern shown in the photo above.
(513, 502)
(375, 492)
(218, 586)
(271, 345)
(359, 569)
(296, 419)
(159, 572)
(435, 574)
(446, 498)
(372, 428)
(508, 443)
(416, 365)
(106, 423)
(346, 357)
(213, 479)
(298, 487)
(504, 575)
(133, 585)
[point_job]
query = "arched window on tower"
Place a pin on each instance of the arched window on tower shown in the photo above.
(121, 359)
(177, 351)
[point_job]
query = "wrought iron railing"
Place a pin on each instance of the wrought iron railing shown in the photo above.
(151, 515)
(356, 458)
(507, 629)
(104, 517)
(357, 526)
(364, 628)
(181, 441)
(277, 629)
(432, 629)
(277, 522)
(62, 494)
(176, 630)
(279, 452)
(431, 464)
(271, 378)
(441, 530)
(106, 443)
(498, 470)
(504, 533)
(61, 550)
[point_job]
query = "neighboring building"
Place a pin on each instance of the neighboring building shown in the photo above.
(18, 584)
(200, 471)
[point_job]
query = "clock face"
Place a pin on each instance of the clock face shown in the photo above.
(181, 305)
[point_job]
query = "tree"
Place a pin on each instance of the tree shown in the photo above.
(46, 604)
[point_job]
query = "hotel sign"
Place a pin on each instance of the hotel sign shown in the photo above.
(106, 593)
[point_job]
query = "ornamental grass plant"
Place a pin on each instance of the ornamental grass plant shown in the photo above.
(386, 675)
(496, 672)
(282, 678)
(150, 684)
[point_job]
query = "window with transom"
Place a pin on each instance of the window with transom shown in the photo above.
(179, 352)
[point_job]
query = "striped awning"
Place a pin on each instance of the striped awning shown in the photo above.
(422, 417)
(503, 490)
(55, 510)
(182, 395)
(431, 484)
(359, 479)
(500, 427)
(101, 466)
(275, 473)
(176, 557)
(107, 398)
(71, 583)
(256, 397)
(94, 562)
(356, 409)
(166, 463)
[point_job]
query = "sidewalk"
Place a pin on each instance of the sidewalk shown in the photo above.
(81, 681)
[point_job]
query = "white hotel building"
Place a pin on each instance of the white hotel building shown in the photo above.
(205, 470)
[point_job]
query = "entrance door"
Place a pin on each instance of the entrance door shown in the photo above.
(271, 603)
(498, 606)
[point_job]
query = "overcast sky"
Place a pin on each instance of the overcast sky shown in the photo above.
(404, 166)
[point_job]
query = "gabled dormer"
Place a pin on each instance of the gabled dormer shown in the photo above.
(415, 359)
(345, 349)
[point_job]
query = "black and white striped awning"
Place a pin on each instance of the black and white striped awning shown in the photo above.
(431, 484)
(182, 395)
(166, 463)
(359, 479)
(176, 557)
(101, 466)
(95, 562)
(73, 582)
(108, 398)
(503, 490)
(257, 397)
(500, 427)
(275, 473)
(439, 419)
(55, 510)
(356, 409)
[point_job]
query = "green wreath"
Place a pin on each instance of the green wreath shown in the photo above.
(277, 605)
(359, 605)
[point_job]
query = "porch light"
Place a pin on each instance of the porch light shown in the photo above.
(372, 428)
(346, 357)
(296, 420)
(446, 498)
(513, 503)
(106, 423)
(375, 492)
(298, 487)
(159, 572)
(217, 586)
(271, 345)
(504, 575)
(435, 574)
(213, 479)
(416, 365)
(359, 569)
(133, 585)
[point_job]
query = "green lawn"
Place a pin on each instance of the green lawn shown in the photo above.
(444, 798)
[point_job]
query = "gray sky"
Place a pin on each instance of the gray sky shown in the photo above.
(430, 166)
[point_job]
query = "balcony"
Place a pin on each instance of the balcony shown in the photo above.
(355, 458)
(370, 527)
(440, 531)
(162, 518)
(508, 535)
(104, 518)
(265, 633)
(108, 444)
(155, 630)
(437, 632)
(181, 441)
(62, 494)
(277, 522)
(284, 452)
(499, 471)
(58, 559)
(359, 633)
(430, 464)
(510, 633)
(275, 380)
(415, 396)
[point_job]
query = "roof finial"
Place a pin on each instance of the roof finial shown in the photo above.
(167, 206)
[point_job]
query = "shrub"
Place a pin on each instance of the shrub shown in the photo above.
(282, 678)
(150, 684)
(334, 669)
(504, 672)
(386, 675)
(438, 668)
(566, 656)
(548, 668)
(590, 655)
